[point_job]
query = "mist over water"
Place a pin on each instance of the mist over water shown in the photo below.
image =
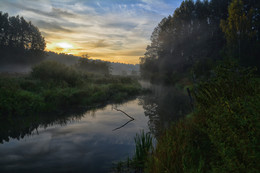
(15, 68)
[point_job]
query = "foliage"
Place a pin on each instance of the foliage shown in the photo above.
(19, 102)
(241, 33)
(191, 39)
(189, 36)
(54, 71)
(222, 135)
(143, 148)
(52, 86)
(20, 41)
(91, 66)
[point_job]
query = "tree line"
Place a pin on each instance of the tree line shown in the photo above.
(200, 33)
(22, 43)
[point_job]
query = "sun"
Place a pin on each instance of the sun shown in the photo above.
(64, 45)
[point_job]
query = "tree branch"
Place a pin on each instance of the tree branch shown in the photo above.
(124, 113)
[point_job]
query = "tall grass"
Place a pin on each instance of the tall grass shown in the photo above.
(143, 150)
(143, 147)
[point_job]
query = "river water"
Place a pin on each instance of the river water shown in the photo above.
(91, 141)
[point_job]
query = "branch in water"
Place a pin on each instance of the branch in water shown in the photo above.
(124, 113)
(123, 125)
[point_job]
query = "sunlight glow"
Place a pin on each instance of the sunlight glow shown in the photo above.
(65, 45)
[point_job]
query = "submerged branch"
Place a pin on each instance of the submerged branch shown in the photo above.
(124, 113)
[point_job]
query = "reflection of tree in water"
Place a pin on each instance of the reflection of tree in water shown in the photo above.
(19, 127)
(164, 106)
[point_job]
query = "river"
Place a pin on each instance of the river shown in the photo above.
(91, 141)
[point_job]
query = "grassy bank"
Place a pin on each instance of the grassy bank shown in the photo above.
(222, 135)
(53, 86)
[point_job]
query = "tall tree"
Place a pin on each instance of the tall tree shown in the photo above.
(241, 33)
(191, 40)
(189, 36)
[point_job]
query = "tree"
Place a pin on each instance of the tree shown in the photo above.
(93, 66)
(241, 33)
(192, 38)
(189, 36)
(20, 41)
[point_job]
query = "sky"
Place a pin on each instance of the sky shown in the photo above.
(110, 30)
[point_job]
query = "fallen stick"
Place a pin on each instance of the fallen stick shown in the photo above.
(124, 113)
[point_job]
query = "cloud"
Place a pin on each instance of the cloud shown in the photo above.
(61, 13)
(114, 29)
(54, 12)
(121, 25)
(52, 26)
(100, 43)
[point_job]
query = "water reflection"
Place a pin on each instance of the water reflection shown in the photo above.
(86, 141)
(20, 127)
(85, 144)
(164, 106)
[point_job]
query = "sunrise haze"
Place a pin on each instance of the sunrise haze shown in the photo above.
(111, 30)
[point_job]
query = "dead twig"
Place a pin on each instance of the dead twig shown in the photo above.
(124, 113)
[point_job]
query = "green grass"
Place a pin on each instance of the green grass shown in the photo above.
(54, 87)
(143, 149)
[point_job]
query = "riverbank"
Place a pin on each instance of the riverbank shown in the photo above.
(52, 86)
(222, 134)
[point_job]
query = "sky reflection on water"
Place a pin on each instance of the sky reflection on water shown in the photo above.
(85, 145)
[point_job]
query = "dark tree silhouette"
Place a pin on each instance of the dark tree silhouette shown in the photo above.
(241, 30)
(93, 66)
(191, 40)
(20, 41)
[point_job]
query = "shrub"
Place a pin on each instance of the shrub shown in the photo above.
(19, 102)
(51, 70)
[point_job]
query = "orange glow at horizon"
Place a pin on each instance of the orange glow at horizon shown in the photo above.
(72, 49)
(116, 31)
(62, 47)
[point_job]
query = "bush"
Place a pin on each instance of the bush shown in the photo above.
(19, 102)
(51, 70)
(53, 86)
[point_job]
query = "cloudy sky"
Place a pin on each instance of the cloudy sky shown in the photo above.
(111, 30)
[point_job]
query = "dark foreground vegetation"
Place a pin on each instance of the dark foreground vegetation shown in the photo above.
(222, 135)
(214, 47)
(52, 86)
